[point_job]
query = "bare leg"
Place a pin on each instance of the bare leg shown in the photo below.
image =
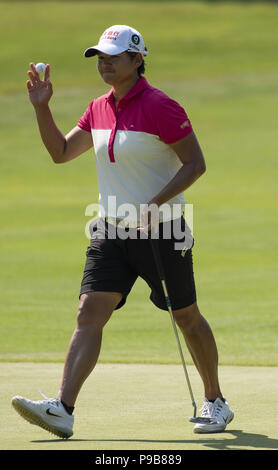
(202, 347)
(95, 309)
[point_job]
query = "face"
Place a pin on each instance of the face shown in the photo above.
(117, 69)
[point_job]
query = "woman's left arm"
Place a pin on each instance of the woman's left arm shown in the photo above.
(193, 166)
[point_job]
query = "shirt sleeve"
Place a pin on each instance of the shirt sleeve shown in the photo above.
(172, 121)
(85, 120)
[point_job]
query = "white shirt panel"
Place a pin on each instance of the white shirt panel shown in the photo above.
(143, 166)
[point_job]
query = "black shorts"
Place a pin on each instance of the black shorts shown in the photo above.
(113, 265)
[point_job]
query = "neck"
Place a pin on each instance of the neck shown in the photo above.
(121, 89)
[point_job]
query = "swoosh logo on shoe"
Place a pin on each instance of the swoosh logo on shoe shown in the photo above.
(48, 412)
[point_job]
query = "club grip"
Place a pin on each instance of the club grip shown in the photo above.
(156, 253)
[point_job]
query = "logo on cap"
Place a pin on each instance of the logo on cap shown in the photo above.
(110, 34)
(135, 39)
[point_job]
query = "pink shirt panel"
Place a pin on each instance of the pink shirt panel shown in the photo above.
(143, 109)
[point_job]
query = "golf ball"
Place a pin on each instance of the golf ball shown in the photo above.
(40, 67)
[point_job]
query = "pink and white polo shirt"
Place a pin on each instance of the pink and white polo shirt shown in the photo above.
(133, 158)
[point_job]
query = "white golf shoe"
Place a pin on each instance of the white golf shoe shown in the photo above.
(49, 414)
(220, 415)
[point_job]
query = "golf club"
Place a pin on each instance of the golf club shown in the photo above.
(159, 265)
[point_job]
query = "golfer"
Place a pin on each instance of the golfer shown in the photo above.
(147, 155)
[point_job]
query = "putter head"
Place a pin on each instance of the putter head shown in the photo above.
(201, 420)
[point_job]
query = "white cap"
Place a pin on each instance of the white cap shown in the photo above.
(117, 39)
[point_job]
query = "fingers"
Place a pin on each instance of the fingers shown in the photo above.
(29, 85)
(145, 225)
(47, 73)
(34, 77)
(35, 74)
(32, 80)
(149, 219)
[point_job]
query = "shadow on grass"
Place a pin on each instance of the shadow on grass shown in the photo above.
(241, 440)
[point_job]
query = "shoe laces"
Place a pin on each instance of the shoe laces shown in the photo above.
(52, 401)
(211, 409)
(206, 409)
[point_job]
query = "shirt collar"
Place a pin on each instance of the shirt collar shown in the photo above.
(139, 86)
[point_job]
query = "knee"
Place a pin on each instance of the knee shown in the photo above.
(87, 315)
(92, 312)
(188, 318)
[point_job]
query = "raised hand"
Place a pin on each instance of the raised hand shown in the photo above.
(40, 91)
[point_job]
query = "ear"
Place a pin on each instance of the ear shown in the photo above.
(138, 59)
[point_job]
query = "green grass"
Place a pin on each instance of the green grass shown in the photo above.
(220, 62)
(148, 408)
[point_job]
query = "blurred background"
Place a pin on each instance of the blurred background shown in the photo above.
(219, 60)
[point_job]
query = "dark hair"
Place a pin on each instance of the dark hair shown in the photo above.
(141, 68)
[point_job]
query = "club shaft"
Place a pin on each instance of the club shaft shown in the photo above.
(169, 306)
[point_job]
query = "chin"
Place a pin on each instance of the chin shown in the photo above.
(109, 82)
(108, 77)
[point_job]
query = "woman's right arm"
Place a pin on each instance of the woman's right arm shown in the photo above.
(61, 148)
